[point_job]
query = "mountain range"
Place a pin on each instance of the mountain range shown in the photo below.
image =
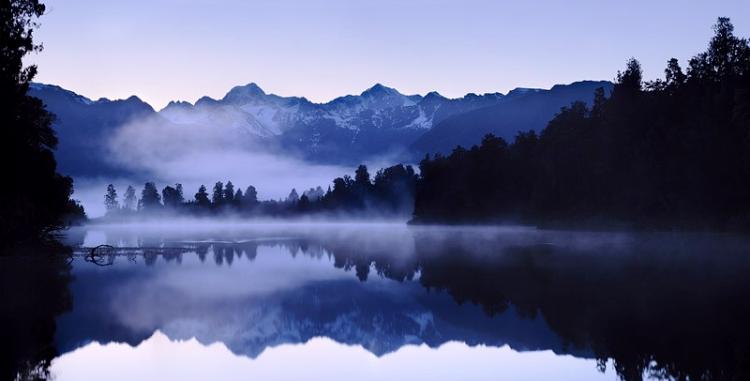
(347, 130)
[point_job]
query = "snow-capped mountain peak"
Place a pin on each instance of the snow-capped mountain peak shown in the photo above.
(378, 90)
(381, 97)
(182, 105)
(348, 129)
(380, 109)
(243, 94)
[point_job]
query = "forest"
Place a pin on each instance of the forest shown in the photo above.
(389, 194)
(36, 199)
(663, 154)
(673, 153)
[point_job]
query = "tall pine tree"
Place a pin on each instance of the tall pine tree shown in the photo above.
(35, 199)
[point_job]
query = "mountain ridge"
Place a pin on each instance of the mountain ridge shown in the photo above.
(530, 108)
(345, 130)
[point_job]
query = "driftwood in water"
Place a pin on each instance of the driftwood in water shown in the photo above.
(96, 257)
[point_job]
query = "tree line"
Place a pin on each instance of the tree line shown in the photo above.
(36, 199)
(389, 193)
(674, 152)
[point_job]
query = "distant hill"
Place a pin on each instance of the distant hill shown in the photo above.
(521, 110)
(347, 130)
(82, 126)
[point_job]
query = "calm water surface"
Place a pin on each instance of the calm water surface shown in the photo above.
(369, 301)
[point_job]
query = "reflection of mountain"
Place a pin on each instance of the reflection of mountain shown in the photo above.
(672, 305)
(380, 315)
(347, 130)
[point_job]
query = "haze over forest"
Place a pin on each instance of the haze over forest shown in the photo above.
(334, 200)
(278, 143)
(313, 131)
(530, 155)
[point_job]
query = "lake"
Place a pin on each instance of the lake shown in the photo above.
(337, 301)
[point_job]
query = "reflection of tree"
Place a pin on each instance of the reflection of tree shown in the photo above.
(668, 305)
(150, 256)
(202, 250)
(33, 292)
(229, 254)
(672, 310)
(249, 248)
(218, 258)
(173, 255)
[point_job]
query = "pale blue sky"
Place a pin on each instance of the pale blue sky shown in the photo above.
(182, 49)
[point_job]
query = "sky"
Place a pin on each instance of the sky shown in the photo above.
(162, 50)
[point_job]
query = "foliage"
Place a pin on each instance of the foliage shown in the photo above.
(172, 196)
(131, 202)
(390, 194)
(110, 199)
(150, 199)
(671, 153)
(201, 197)
(37, 198)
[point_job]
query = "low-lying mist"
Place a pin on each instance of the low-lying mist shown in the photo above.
(211, 147)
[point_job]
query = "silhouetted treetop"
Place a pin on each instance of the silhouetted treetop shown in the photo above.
(130, 202)
(40, 200)
(150, 198)
(110, 199)
(673, 153)
(217, 197)
(201, 197)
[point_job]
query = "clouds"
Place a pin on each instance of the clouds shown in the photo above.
(210, 142)
(207, 150)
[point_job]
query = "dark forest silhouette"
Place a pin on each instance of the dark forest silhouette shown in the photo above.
(643, 314)
(662, 154)
(389, 193)
(35, 198)
(34, 291)
(670, 153)
(34, 202)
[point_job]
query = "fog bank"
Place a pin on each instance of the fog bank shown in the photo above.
(211, 147)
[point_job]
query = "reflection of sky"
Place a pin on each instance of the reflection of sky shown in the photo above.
(278, 296)
(294, 295)
(159, 358)
(273, 270)
(283, 287)
(172, 295)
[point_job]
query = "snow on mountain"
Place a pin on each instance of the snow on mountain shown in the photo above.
(380, 108)
(346, 130)
(60, 92)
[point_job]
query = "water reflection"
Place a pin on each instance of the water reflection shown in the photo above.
(160, 358)
(33, 292)
(660, 305)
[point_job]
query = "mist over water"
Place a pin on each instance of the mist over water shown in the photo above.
(586, 230)
(203, 153)
(256, 294)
